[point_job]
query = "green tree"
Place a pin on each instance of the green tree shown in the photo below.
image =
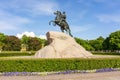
(114, 40)
(106, 45)
(25, 39)
(97, 44)
(2, 37)
(1, 46)
(12, 43)
(2, 40)
(24, 42)
(84, 43)
(34, 44)
(43, 42)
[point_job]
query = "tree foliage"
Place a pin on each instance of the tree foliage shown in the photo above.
(12, 43)
(84, 43)
(106, 45)
(34, 44)
(2, 40)
(113, 41)
(25, 39)
(97, 43)
(24, 42)
(2, 37)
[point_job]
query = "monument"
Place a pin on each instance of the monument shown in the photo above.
(60, 20)
(61, 45)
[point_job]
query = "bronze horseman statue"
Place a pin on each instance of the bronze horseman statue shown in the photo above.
(60, 20)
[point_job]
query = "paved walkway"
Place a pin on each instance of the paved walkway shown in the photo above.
(87, 76)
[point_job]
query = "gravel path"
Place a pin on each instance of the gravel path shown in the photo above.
(115, 75)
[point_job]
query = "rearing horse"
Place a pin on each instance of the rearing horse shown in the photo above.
(62, 24)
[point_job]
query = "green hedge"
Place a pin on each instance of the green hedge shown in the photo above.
(47, 65)
(105, 53)
(16, 53)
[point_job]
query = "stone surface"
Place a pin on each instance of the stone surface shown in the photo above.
(61, 45)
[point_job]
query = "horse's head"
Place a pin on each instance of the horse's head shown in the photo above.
(57, 13)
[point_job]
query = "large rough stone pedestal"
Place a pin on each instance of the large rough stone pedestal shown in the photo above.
(61, 45)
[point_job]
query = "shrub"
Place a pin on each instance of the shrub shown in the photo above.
(48, 65)
(15, 53)
(105, 53)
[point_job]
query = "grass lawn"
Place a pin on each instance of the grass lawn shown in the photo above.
(16, 53)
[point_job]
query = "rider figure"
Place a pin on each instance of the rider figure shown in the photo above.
(62, 17)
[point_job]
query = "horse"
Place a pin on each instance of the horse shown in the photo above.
(62, 24)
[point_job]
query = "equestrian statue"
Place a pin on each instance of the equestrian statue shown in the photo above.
(60, 20)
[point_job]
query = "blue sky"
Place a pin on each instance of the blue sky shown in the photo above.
(88, 19)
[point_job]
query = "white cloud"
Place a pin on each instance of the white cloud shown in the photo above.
(13, 12)
(31, 7)
(9, 21)
(5, 26)
(80, 15)
(76, 29)
(107, 18)
(42, 36)
(45, 8)
(28, 34)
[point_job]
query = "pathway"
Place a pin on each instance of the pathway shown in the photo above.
(115, 75)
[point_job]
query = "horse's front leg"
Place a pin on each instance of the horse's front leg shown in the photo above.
(53, 22)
